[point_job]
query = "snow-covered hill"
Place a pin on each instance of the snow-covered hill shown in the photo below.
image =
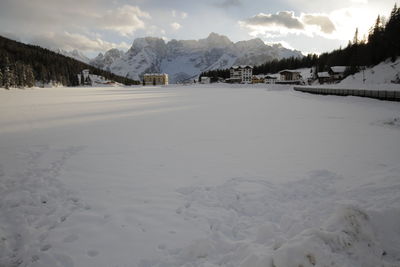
(384, 75)
(186, 59)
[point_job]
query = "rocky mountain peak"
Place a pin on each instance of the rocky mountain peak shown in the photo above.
(186, 59)
(217, 40)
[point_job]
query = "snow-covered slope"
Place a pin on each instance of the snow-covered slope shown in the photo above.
(385, 75)
(75, 54)
(185, 59)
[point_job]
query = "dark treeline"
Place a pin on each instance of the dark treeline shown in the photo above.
(382, 42)
(215, 74)
(23, 65)
(286, 63)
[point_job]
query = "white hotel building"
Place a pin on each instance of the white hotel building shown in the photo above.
(241, 74)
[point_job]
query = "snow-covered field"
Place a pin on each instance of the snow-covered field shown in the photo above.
(198, 176)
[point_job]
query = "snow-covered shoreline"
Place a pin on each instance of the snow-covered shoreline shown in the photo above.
(205, 175)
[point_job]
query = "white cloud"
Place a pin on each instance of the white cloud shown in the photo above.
(124, 20)
(176, 26)
(176, 14)
(348, 19)
(70, 41)
(322, 21)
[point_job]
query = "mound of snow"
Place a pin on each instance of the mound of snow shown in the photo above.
(348, 239)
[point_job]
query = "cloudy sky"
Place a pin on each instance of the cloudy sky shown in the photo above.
(93, 26)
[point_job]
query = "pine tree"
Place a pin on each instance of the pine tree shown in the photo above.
(13, 78)
(392, 34)
(82, 79)
(1, 78)
(355, 38)
(30, 78)
(7, 78)
(20, 77)
(43, 75)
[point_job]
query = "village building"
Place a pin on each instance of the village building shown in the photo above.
(155, 79)
(241, 74)
(334, 74)
(205, 80)
(337, 72)
(84, 77)
(85, 73)
(290, 77)
(324, 77)
(258, 78)
(270, 79)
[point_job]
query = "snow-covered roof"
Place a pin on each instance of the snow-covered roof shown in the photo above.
(339, 69)
(154, 74)
(241, 67)
(324, 74)
(291, 71)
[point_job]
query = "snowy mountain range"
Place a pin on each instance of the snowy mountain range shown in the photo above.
(186, 59)
(75, 54)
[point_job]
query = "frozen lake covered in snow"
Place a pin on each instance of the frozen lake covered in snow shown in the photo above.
(211, 175)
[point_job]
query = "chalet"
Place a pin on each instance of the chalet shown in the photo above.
(270, 79)
(337, 72)
(205, 80)
(290, 77)
(85, 73)
(84, 77)
(241, 74)
(155, 79)
(324, 77)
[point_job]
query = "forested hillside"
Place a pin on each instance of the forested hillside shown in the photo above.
(24, 65)
(382, 42)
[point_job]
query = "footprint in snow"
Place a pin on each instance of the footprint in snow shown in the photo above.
(45, 247)
(92, 253)
(71, 238)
